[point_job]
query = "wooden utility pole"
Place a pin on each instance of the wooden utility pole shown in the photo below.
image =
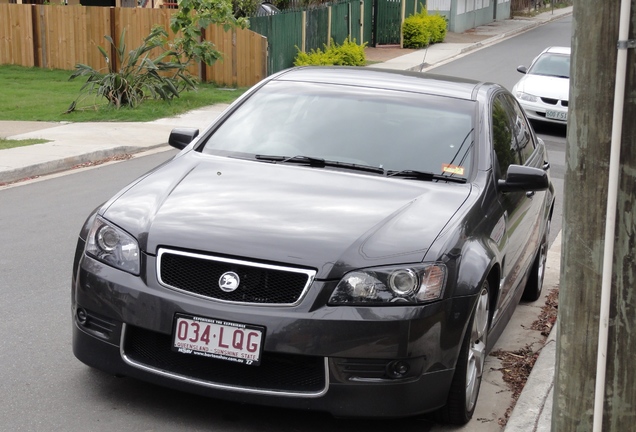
(592, 83)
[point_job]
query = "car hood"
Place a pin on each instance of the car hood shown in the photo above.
(544, 86)
(328, 220)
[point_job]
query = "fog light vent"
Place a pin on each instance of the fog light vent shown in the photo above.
(81, 316)
(398, 368)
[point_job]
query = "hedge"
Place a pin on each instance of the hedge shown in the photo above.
(422, 29)
(347, 54)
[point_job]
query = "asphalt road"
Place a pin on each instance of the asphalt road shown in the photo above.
(44, 388)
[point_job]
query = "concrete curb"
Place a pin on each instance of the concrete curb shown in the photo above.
(59, 165)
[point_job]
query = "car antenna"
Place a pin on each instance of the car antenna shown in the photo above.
(425, 51)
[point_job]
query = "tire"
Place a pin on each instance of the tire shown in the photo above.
(534, 286)
(462, 397)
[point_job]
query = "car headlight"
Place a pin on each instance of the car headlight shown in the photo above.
(416, 283)
(113, 246)
(526, 97)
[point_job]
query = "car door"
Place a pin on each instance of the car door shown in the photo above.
(510, 136)
(533, 155)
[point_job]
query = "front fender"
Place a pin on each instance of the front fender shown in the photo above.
(475, 265)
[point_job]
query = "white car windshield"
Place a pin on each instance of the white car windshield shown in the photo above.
(549, 64)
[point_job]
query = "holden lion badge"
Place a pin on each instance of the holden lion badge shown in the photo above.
(229, 281)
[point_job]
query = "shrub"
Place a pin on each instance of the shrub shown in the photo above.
(422, 29)
(416, 33)
(191, 18)
(138, 76)
(438, 26)
(347, 54)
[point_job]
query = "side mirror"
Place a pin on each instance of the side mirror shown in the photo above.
(523, 178)
(522, 69)
(181, 137)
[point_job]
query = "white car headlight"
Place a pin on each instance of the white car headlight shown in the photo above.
(526, 97)
(416, 283)
(113, 246)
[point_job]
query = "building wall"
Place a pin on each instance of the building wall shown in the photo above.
(463, 15)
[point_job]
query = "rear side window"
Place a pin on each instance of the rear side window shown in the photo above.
(522, 131)
(503, 135)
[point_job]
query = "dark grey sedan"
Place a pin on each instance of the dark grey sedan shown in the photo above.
(341, 239)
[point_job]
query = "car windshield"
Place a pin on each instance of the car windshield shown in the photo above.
(549, 64)
(392, 130)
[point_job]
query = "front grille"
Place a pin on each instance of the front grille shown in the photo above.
(277, 372)
(551, 101)
(259, 283)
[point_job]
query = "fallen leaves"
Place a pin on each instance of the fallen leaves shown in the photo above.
(517, 365)
(548, 315)
(119, 157)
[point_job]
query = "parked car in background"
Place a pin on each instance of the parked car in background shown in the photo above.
(543, 92)
(346, 240)
(266, 8)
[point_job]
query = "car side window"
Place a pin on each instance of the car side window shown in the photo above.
(503, 135)
(522, 133)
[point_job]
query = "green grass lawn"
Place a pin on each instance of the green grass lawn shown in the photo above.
(37, 94)
(7, 144)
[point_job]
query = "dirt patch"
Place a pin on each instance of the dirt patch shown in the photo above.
(382, 53)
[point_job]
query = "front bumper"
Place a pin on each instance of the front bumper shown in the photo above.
(334, 359)
(537, 111)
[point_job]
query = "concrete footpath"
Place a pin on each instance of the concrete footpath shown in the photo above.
(72, 144)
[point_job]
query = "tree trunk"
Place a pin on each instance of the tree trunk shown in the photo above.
(594, 53)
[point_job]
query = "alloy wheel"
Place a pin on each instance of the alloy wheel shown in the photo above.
(477, 348)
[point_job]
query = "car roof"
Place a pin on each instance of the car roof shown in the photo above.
(415, 82)
(558, 50)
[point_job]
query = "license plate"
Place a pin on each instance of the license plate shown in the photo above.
(556, 115)
(219, 339)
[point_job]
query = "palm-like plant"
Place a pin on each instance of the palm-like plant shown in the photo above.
(137, 76)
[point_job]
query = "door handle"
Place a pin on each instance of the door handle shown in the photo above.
(546, 166)
(530, 194)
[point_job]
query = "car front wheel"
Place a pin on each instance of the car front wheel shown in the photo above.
(469, 370)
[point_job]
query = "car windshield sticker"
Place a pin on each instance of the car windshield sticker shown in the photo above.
(453, 169)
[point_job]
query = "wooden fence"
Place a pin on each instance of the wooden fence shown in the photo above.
(59, 37)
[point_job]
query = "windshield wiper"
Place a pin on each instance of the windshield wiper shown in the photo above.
(312, 161)
(319, 163)
(424, 175)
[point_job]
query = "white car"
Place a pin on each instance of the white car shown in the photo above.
(543, 92)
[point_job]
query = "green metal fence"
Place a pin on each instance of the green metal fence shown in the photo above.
(375, 22)
(387, 22)
(316, 28)
(367, 20)
(284, 38)
(413, 7)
